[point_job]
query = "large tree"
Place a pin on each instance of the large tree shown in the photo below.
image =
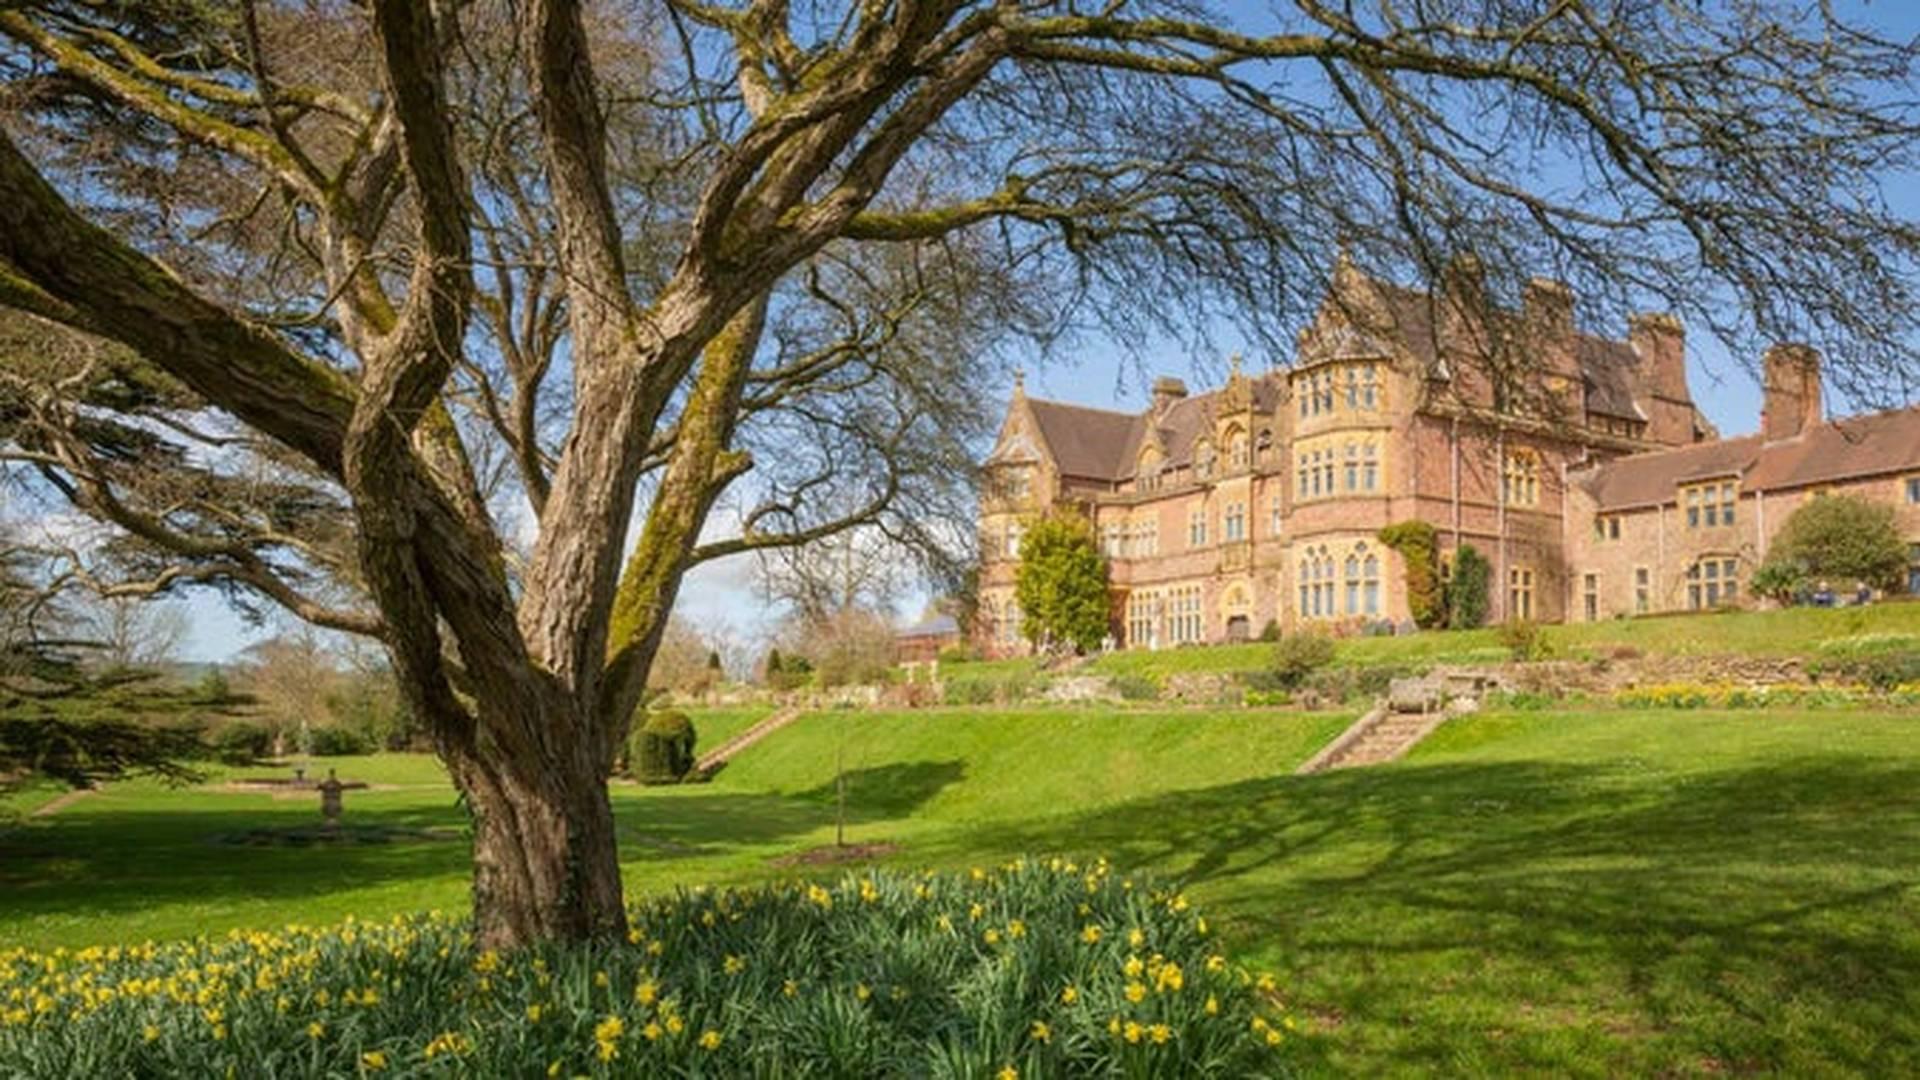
(471, 326)
(1061, 584)
(1835, 540)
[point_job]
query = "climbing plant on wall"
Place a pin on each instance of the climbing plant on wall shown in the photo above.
(1418, 548)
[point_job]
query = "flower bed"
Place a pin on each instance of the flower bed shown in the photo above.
(1034, 969)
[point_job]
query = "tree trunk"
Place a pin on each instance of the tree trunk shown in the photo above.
(545, 866)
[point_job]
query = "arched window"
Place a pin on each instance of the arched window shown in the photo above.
(1237, 449)
(1306, 583)
(1370, 584)
(1353, 584)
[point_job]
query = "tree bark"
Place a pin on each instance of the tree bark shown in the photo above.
(545, 865)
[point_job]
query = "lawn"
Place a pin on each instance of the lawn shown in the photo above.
(1597, 892)
(1788, 632)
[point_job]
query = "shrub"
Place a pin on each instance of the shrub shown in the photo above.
(1842, 538)
(1132, 687)
(1467, 591)
(662, 751)
(1419, 549)
(1266, 698)
(1271, 632)
(1035, 967)
(958, 654)
(1299, 655)
(241, 742)
(1880, 670)
(1524, 640)
(336, 741)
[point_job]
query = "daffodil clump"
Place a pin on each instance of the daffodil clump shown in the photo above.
(1035, 968)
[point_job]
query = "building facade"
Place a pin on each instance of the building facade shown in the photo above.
(1569, 460)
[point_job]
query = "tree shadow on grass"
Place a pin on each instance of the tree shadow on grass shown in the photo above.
(694, 824)
(1748, 918)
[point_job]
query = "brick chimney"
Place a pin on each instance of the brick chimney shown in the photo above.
(1547, 318)
(1792, 385)
(1661, 344)
(1166, 390)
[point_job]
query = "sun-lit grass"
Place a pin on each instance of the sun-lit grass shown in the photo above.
(1584, 891)
(1790, 632)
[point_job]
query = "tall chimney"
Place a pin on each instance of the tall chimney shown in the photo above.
(1792, 386)
(1167, 390)
(1547, 323)
(1661, 344)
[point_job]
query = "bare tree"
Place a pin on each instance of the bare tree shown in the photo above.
(133, 633)
(337, 332)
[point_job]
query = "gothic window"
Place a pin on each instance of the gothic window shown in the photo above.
(1370, 583)
(1521, 478)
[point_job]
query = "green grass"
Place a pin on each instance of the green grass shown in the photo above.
(1599, 892)
(1790, 632)
(715, 725)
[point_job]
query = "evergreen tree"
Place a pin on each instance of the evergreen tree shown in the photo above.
(1061, 584)
(1467, 592)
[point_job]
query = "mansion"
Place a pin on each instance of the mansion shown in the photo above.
(1576, 464)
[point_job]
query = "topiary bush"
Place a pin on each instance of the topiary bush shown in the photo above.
(661, 752)
(1037, 969)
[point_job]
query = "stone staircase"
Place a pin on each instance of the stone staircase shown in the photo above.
(714, 760)
(1411, 711)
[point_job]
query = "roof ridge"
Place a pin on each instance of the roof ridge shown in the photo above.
(1083, 408)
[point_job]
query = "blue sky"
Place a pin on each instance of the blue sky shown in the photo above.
(1101, 373)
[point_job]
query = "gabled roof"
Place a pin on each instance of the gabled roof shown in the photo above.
(1086, 442)
(1852, 448)
(1650, 479)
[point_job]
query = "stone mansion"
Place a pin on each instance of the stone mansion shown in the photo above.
(1576, 464)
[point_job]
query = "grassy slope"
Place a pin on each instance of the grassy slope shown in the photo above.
(1571, 893)
(1789, 632)
(137, 860)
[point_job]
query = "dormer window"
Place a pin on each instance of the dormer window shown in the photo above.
(1237, 450)
(1709, 505)
(1203, 460)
